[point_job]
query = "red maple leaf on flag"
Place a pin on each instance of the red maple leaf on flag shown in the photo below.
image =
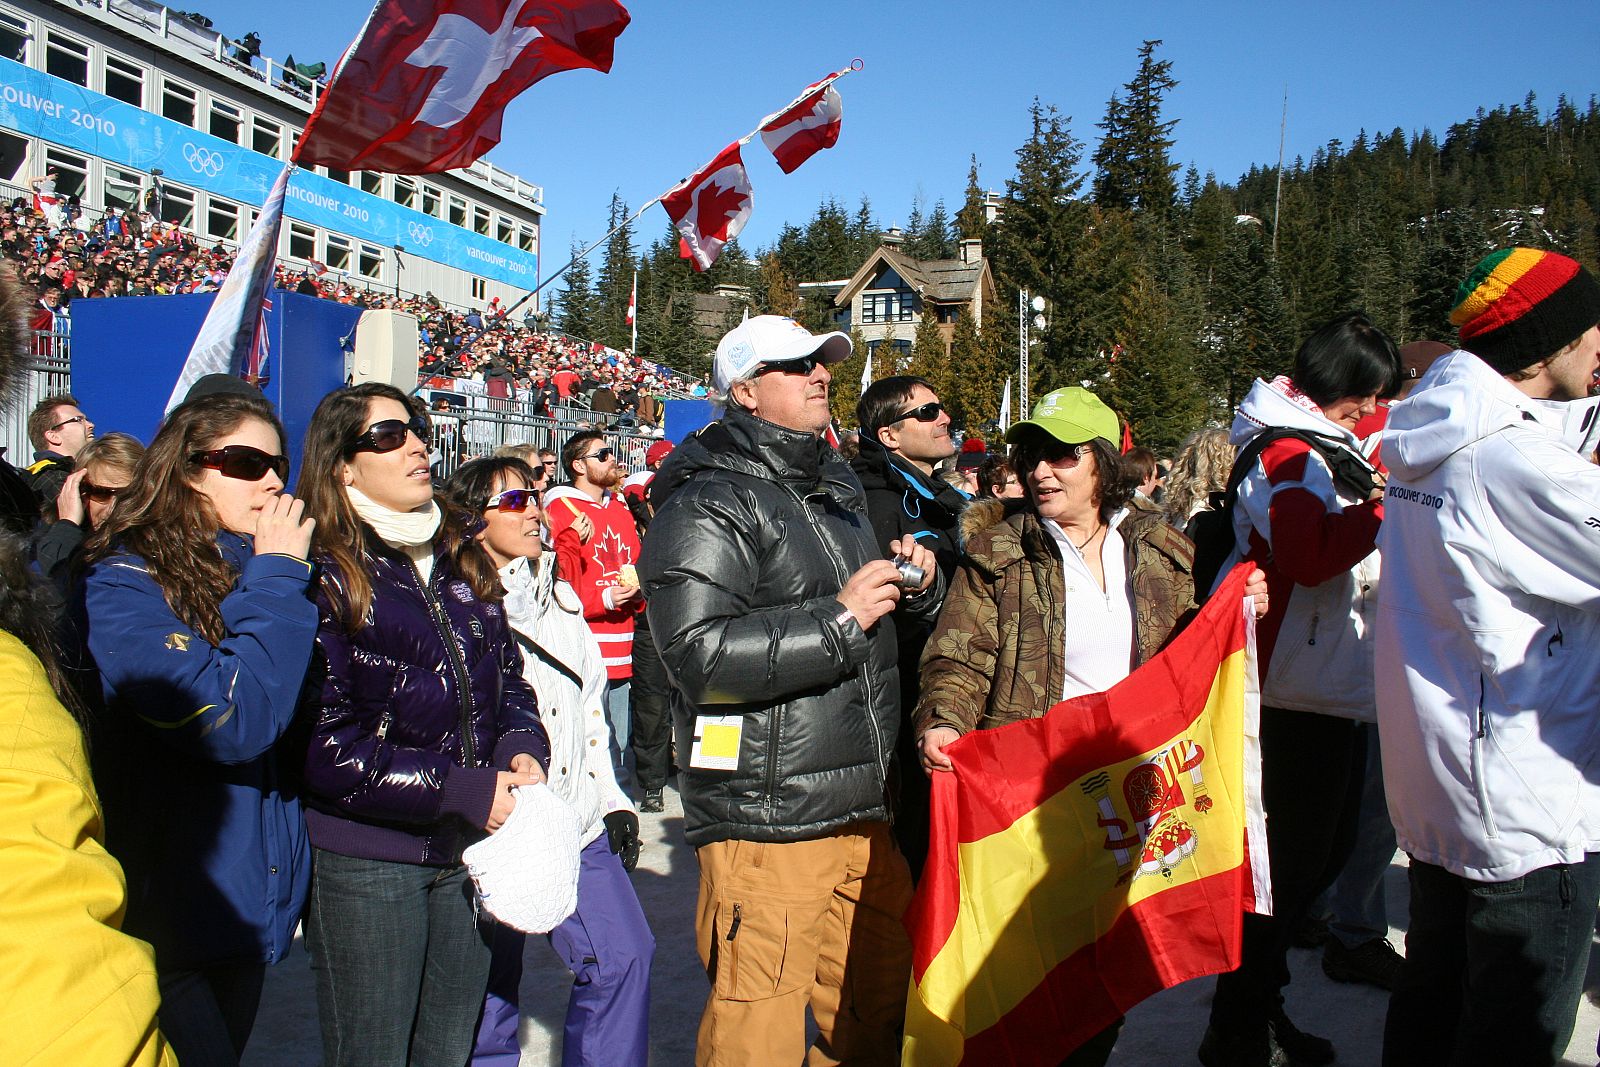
(710, 207)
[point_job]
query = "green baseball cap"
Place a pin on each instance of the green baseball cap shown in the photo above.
(1072, 416)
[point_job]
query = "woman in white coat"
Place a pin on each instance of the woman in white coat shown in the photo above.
(606, 943)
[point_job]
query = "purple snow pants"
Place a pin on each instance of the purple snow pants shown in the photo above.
(608, 946)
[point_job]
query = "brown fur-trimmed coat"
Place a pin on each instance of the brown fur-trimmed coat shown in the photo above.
(995, 655)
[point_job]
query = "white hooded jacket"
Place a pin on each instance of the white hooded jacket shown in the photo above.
(1488, 627)
(561, 661)
(1321, 659)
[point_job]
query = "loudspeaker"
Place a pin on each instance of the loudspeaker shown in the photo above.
(386, 349)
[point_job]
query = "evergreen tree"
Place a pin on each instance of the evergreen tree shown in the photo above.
(981, 371)
(930, 355)
(845, 391)
(579, 314)
(776, 292)
(933, 241)
(1248, 333)
(971, 220)
(1133, 167)
(1153, 385)
(616, 277)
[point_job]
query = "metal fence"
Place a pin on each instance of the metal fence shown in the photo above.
(459, 436)
(49, 372)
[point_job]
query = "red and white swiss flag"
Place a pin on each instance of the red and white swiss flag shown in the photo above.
(710, 207)
(425, 86)
(806, 128)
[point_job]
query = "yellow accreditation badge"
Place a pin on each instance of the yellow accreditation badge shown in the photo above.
(716, 742)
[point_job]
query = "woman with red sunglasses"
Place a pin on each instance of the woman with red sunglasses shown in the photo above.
(420, 729)
(198, 617)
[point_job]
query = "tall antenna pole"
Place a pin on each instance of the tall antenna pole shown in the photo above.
(1277, 200)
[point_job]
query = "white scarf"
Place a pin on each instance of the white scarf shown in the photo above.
(410, 531)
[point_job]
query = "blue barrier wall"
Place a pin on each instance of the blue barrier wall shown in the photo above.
(127, 353)
(683, 417)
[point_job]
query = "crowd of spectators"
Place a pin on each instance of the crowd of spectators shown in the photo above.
(66, 253)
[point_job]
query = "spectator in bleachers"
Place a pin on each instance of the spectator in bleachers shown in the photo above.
(105, 470)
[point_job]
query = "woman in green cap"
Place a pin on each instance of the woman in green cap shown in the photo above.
(1059, 594)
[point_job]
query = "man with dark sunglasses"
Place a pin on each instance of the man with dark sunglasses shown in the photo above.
(600, 567)
(58, 430)
(769, 600)
(905, 434)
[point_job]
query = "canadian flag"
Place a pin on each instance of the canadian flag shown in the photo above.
(633, 299)
(806, 128)
(710, 207)
(425, 86)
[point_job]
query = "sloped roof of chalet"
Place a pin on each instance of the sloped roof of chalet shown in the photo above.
(942, 280)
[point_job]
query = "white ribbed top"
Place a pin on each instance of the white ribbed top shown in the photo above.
(1099, 624)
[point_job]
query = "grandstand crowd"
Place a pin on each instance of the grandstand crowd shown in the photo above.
(66, 254)
(416, 712)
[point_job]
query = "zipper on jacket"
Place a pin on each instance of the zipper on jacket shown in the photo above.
(463, 680)
(1480, 783)
(1314, 620)
(733, 927)
(861, 672)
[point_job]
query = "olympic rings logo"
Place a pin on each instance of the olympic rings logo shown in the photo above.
(203, 160)
(419, 233)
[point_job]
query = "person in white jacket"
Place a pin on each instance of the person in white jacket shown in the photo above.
(607, 942)
(1488, 670)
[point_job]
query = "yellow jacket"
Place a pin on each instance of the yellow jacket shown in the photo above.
(74, 989)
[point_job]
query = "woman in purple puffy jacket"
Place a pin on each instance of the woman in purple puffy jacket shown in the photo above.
(423, 726)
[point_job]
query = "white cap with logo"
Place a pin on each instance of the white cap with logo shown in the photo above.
(766, 339)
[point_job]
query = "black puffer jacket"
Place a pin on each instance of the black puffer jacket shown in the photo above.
(756, 531)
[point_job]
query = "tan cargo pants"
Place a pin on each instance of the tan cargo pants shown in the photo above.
(781, 926)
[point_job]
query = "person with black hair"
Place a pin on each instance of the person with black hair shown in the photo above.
(905, 433)
(1307, 512)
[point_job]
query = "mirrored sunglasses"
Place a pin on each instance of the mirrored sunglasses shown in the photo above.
(513, 500)
(243, 462)
(390, 434)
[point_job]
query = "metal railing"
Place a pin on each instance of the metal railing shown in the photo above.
(46, 374)
(468, 434)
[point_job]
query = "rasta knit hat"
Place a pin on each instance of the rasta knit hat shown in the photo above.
(1520, 306)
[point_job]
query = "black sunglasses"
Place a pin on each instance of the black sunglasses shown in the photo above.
(101, 493)
(243, 462)
(804, 365)
(388, 435)
(926, 413)
(602, 455)
(513, 500)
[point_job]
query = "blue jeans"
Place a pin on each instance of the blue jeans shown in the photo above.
(619, 716)
(207, 1014)
(400, 962)
(1493, 970)
(1355, 901)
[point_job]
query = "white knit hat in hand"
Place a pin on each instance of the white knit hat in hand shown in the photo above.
(527, 871)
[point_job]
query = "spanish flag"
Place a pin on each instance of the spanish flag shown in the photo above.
(1082, 861)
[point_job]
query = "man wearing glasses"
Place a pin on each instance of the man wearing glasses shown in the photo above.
(769, 600)
(905, 434)
(600, 566)
(58, 430)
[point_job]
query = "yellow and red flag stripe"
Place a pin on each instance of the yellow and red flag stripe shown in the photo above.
(1082, 861)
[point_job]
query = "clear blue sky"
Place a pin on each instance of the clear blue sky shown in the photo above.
(947, 78)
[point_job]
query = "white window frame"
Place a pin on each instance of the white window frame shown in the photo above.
(122, 67)
(55, 39)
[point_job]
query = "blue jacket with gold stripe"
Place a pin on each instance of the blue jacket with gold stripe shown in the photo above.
(193, 757)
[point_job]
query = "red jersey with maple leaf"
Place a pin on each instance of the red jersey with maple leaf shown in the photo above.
(596, 566)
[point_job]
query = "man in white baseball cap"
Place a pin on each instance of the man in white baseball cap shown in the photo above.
(768, 339)
(769, 600)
